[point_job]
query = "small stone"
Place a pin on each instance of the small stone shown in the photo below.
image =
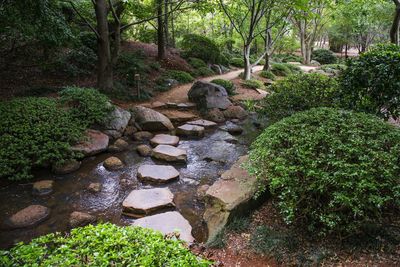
(27, 217)
(118, 146)
(203, 123)
(169, 153)
(113, 134)
(215, 115)
(142, 136)
(232, 128)
(43, 187)
(94, 187)
(79, 219)
(201, 191)
(113, 163)
(190, 130)
(235, 112)
(143, 202)
(144, 150)
(130, 131)
(157, 173)
(164, 139)
(67, 167)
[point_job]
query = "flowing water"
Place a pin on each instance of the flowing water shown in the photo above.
(207, 159)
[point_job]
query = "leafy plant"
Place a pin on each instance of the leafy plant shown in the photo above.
(281, 69)
(371, 83)
(203, 72)
(35, 132)
(329, 170)
(239, 224)
(284, 58)
(268, 75)
(324, 56)
(201, 47)
(180, 76)
(298, 93)
(253, 84)
(237, 62)
(87, 105)
(228, 85)
(102, 245)
(196, 63)
(76, 62)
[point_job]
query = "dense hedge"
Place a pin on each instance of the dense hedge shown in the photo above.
(324, 56)
(198, 46)
(298, 93)
(180, 76)
(330, 170)
(102, 245)
(253, 84)
(371, 83)
(38, 132)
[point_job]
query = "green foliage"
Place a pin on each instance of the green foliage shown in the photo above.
(203, 72)
(76, 62)
(196, 63)
(102, 245)
(268, 75)
(298, 93)
(329, 170)
(285, 58)
(324, 56)
(253, 84)
(180, 76)
(34, 132)
(199, 46)
(86, 105)
(237, 62)
(328, 67)
(294, 69)
(218, 241)
(228, 85)
(239, 224)
(131, 63)
(124, 92)
(281, 69)
(372, 82)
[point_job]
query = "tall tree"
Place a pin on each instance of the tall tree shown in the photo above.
(394, 31)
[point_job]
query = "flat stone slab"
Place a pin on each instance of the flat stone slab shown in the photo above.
(203, 123)
(29, 216)
(143, 202)
(190, 130)
(165, 139)
(157, 173)
(167, 223)
(95, 143)
(179, 116)
(169, 153)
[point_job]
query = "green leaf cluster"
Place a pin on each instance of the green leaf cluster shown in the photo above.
(179, 75)
(201, 47)
(324, 56)
(228, 85)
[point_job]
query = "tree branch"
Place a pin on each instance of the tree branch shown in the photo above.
(84, 19)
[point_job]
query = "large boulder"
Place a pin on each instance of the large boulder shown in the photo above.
(27, 217)
(93, 143)
(208, 95)
(231, 194)
(116, 122)
(151, 120)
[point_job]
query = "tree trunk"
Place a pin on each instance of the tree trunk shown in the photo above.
(267, 48)
(160, 31)
(166, 28)
(247, 65)
(104, 64)
(394, 31)
(266, 64)
(307, 53)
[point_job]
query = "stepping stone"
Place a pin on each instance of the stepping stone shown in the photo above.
(43, 187)
(143, 202)
(190, 130)
(203, 123)
(113, 163)
(167, 223)
(169, 153)
(157, 173)
(142, 136)
(29, 216)
(144, 150)
(164, 139)
(179, 116)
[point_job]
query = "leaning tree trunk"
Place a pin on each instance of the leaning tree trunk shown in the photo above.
(267, 48)
(394, 31)
(160, 31)
(247, 64)
(104, 64)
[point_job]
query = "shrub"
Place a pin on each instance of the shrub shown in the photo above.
(87, 105)
(131, 63)
(102, 245)
(203, 71)
(228, 85)
(324, 56)
(196, 63)
(298, 93)
(34, 132)
(280, 69)
(329, 170)
(268, 75)
(294, 69)
(180, 76)
(284, 58)
(372, 82)
(199, 46)
(237, 62)
(76, 62)
(338, 67)
(253, 84)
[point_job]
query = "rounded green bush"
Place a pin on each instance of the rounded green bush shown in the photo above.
(253, 84)
(203, 72)
(268, 75)
(102, 245)
(281, 69)
(196, 63)
(199, 46)
(324, 56)
(330, 170)
(298, 93)
(228, 85)
(237, 62)
(180, 76)
(284, 58)
(371, 83)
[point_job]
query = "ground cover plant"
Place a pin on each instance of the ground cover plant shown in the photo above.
(228, 85)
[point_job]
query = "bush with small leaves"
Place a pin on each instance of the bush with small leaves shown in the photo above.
(199, 46)
(284, 58)
(228, 85)
(281, 69)
(329, 170)
(324, 56)
(268, 75)
(196, 63)
(298, 93)
(253, 84)
(102, 245)
(203, 72)
(180, 76)
(237, 62)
